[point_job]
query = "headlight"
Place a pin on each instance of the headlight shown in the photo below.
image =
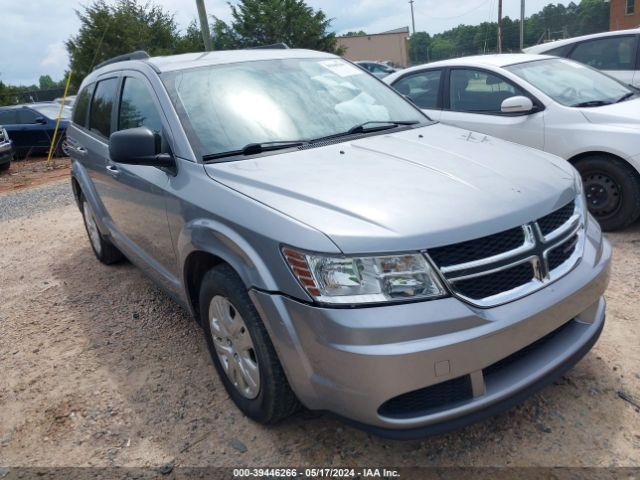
(352, 280)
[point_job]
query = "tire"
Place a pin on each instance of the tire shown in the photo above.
(239, 333)
(612, 188)
(5, 166)
(102, 247)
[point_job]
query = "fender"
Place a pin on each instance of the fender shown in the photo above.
(213, 237)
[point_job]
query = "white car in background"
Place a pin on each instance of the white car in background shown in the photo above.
(548, 103)
(615, 53)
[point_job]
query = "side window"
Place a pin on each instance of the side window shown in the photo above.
(81, 107)
(8, 117)
(137, 108)
(613, 53)
(423, 88)
(479, 92)
(26, 116)
(102, 106)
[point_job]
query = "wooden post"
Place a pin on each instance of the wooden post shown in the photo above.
(204, 25)
(499, 26)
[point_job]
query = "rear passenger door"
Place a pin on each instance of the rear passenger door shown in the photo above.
(473, 99)
(423, 88)
(616, 56)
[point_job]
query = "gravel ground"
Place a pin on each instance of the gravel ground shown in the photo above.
(32, 201)
(100, 368)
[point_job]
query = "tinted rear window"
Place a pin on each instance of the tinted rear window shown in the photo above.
(81, 107)
(102, 106)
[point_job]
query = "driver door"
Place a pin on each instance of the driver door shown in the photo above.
(473, 101)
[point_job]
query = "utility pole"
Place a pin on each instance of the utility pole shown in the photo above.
(204, 25)
(499, 26)
(413, 18)
(522, 24)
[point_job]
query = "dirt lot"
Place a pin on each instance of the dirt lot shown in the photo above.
(100, 368)
(33, 172)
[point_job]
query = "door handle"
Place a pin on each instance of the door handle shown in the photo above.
(113, 170)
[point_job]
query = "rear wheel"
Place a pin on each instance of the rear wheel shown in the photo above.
(612, 189)
(241, 349)
(102, 247)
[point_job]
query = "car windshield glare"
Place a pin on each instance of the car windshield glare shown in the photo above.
(227, 107)
(570, 83)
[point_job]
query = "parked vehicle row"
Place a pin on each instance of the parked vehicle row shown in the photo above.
(551, 104)
(616, 53)
(339, 248)
(31, 127)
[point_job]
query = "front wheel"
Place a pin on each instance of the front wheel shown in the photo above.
(612, 189)
(241, 349)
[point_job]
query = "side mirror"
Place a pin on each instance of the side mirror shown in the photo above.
(517, 104)
(138, 146)
(41, 120)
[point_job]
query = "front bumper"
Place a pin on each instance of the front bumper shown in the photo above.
(351, 362)
(6, 152)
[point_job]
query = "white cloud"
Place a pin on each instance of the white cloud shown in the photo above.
(56, 56)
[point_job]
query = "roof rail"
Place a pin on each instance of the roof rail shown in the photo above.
(137, 55)
(275, 46)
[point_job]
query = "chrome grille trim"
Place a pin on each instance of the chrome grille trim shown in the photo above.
(535, 250)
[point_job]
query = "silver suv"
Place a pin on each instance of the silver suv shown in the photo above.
(339, 249)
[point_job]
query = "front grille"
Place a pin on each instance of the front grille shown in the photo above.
(429, 399)
(479, 248)
(497, 282)
(561, 254)
(556, 219)
(482, 270)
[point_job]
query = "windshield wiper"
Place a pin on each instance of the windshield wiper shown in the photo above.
(592, 103)
(256, 148)
(625, 97)
(364, 128)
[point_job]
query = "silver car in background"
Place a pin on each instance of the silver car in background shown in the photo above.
(339, 249)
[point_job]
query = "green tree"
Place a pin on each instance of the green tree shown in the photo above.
(46, 83)
(419, 45)
(359, 33)
(110, 29)
(265, 22)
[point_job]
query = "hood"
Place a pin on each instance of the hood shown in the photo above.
(408, 190)
(625, 114)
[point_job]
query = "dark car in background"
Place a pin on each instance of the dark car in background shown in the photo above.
(6, 150)
(380, 70)
(31, 127)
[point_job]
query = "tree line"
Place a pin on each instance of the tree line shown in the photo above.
(552, 22)
(113, 28)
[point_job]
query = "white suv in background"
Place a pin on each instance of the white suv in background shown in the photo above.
(615, 53)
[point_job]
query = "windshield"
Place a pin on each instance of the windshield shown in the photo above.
(52, 111)
(224, 108)
(571, 83)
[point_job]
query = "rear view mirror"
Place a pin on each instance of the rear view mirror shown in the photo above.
(138, 146)
(517, 104)
(41, 120)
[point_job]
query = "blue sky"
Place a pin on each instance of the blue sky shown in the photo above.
(34, 31)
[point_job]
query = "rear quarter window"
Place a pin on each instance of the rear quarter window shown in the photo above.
(81, 107)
